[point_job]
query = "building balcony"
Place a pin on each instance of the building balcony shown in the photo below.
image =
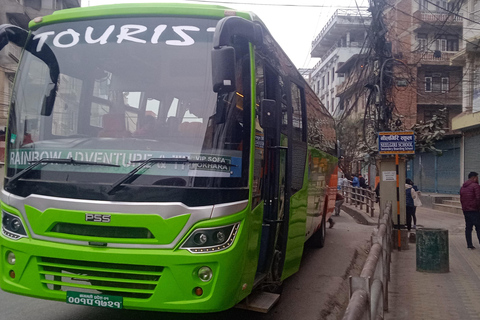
(343, 21)
(342, 53)
(435, 19)
(447, 99)
(429, 58)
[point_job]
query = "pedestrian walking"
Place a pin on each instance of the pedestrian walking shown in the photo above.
(362, 184)
(355, 181)
(410, 196)
(361, 181)
(339, 199)
(470, 200)
(416, 202)
(331, 223)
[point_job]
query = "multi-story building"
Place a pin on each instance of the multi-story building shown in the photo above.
(468, 122)
(425, 35)
(341, 38)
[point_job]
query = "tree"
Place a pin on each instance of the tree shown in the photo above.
(430, 131)
(349, 136)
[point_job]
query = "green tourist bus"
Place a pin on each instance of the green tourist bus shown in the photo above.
(161, 157)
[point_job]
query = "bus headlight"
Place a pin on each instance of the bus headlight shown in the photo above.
(12, 226)
(211, 239)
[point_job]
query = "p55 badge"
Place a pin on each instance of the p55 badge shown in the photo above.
(105, 218)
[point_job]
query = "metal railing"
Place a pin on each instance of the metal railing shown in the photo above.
(360, 197)
(369, 291)
(439, 17)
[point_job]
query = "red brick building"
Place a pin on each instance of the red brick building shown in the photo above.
(425, 36)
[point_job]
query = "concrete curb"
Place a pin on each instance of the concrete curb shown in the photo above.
(359, 215)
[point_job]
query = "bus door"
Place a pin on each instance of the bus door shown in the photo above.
(273, 242)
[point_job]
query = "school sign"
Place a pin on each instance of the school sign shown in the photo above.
(402, 142)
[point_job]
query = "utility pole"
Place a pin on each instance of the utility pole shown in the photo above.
(382, 65)
(392, 170)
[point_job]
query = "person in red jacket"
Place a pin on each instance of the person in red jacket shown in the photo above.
(470, 200)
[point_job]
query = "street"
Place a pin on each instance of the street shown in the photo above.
(318, 291)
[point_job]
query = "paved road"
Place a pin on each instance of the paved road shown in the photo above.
(318, 291)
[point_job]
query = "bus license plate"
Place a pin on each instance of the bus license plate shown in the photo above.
(94, 300)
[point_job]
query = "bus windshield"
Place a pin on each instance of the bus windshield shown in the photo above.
(126, 90)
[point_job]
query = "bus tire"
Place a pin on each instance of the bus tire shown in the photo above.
(319, 236)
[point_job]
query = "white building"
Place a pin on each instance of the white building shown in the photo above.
(342, 37)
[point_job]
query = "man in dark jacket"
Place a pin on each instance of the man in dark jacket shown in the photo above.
(470, 200)
(362, 182)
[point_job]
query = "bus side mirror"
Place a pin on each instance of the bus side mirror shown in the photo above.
(223, 69)
(223, 55)
(268, 115)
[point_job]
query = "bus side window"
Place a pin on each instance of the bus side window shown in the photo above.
(298, 114)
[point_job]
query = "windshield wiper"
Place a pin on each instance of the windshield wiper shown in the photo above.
(144, 163)
(45, 161)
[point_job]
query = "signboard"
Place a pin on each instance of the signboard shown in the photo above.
(389, 175)
(396, 142)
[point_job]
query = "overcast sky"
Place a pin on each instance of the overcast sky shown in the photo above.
(293, 23)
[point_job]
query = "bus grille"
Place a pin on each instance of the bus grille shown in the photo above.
(102, 231)
(126, 280)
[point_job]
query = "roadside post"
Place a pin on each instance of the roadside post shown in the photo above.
(393, 171)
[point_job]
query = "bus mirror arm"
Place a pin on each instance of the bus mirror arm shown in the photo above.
(49, 58)
(12, 34)
(236, 26)
(18, 36)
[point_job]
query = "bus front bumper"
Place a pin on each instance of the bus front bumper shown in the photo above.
(147, 279)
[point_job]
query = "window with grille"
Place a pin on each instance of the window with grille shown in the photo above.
(441, 5)
(422, 41)
(423, 5)
(445, 84)
(441, 44)
(428, 84)
(452, 43)
(437, 82)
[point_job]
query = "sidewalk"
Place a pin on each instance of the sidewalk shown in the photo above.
(453, 295)
(439, 296)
